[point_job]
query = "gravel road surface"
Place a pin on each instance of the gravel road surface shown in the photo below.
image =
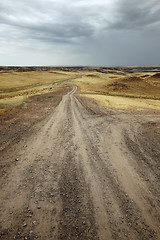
(83, 173)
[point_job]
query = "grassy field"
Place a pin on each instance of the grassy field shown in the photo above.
(122, 90)
(16, 87)
(114, 88)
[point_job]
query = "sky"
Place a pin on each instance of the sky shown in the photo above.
(79, 32)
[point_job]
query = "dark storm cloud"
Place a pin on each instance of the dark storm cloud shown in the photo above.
(136, 15)
(95, 30)
(46, 21)
(58, 21)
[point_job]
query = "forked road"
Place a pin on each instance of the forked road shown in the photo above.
(84, 176)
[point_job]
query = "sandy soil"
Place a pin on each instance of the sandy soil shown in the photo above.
(78, 171)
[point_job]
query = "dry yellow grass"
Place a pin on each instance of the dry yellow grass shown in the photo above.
(93, 83)
(136, 90)
(16, 87)
(125, 102)
(12, 80)
(114, 89)
(112, 84)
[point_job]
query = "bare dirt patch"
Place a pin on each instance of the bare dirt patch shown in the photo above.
(118, 86)
(157, 75)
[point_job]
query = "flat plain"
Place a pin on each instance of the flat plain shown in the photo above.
(80, 153)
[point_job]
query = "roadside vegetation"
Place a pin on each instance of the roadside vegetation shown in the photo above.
(114, 88)
(16, 87)
(122, 90)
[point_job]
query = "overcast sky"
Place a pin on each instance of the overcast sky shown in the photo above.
(80, 32)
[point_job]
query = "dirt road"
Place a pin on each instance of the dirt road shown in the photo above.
(83, 173)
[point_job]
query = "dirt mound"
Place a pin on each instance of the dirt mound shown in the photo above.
(157, 75)
(58, 73)
(92, 75)
(145, 76)
(118, 86)
(133, 79)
